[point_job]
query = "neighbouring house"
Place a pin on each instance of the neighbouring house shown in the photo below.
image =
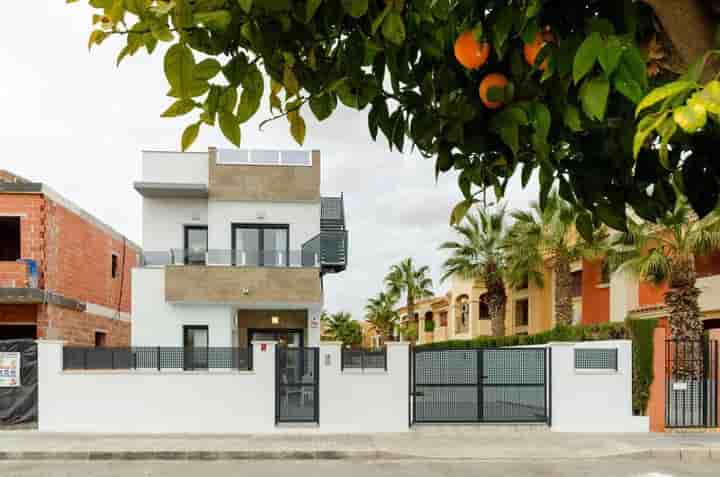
(371, 339)
(63, 273)
(236, 246)
(597, 298)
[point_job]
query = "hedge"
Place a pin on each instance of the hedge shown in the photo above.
(642, 332)
(603, 331)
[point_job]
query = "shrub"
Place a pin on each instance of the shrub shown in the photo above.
(643, 351)
(429, 326)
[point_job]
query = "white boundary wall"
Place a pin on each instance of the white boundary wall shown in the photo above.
(217, 401)
(593, 400)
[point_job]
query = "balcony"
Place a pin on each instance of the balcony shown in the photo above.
(233, 258)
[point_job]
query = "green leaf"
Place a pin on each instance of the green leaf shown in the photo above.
(460, 211)
(393, 28)
(690, 117)
(593, 95)
(246, 5)
(189, 135)
(501, 27)
(216, 20)
(228, 99)
(292, 86)
(207, 69)
(161, 32)
(625, 84)
(178, 108)
(380, 18)
(253, 87)
(323, 105)
(230, 127)
(612, 216)
(586, 56)
(709, 97)
(96, 38)
(571, 118)
(646, 126)
(541, 120)
(297, 127)
(179, 65)
(663, 92)
(610, 55)
(356, 8)
(584, 226)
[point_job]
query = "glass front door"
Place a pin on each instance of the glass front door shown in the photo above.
(195, 346)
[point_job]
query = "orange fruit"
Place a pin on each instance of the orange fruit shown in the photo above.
(471, 53)
(532, 50)
(493, 80)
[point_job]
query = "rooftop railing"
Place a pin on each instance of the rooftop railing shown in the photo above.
(233, 258)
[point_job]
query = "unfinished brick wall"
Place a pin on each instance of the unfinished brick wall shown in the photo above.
(18, 313)
(31, 210)
(13, 275)
(78, 328)
(79, 258)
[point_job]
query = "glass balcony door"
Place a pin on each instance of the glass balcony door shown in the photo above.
(196, 244)
(262, 245)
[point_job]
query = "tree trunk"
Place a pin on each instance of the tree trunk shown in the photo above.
(690, 27)
(682, 301)
(411, 313)
(563, 291)
(495, 299)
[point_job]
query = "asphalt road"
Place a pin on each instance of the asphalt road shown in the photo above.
(589, 468)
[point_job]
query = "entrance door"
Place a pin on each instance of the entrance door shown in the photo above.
(480, 385)
(297, 386)
(195, 347)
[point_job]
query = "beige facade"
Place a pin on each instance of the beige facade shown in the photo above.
(262, 182)
(242, 285)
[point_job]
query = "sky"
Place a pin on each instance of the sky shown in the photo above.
(72, 120)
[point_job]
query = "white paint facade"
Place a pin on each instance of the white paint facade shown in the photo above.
(598, 400)
(218, 402)
(167, 215)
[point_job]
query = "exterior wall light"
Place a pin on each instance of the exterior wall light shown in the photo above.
(275, 320)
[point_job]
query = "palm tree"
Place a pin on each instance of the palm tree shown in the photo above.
(538, 235)
(381, 314)
(665, 252)
(405, 279)
(341, 327)
(480, 256)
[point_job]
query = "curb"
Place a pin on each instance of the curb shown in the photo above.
(676, 454)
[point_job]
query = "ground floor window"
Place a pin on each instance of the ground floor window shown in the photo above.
(522, 312)
(195, 344)
(100, 339)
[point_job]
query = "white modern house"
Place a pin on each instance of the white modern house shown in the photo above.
(236, 243)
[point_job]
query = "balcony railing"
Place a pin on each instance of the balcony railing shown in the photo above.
(234, 258)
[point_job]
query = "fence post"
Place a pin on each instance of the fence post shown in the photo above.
(385, 357)
(342, 359)
(158, 358)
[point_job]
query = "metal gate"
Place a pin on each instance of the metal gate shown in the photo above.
(691, 383)
(480, 385)
(297, 384)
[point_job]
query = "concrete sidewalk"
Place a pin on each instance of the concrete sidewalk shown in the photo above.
(519, 443)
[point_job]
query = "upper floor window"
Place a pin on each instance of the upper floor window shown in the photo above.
(522, 312)
(261, 245)
(9, 238)
(113, 265)
(484, 310)
(576, 284)
(443, 318)
(462, 314)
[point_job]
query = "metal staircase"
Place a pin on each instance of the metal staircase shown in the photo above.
(332, 243)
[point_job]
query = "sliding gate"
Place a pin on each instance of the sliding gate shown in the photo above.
(480, 385)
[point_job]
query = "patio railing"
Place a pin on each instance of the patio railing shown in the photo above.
(235, 258)
(364, 359)
(156, 357)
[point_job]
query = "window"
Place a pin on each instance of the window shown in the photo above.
(443, 318)
(576, 284)
(484, 311)
(9, 238)
(113, 265)
(462, 314)
(261, 245)
(195, 347)
(522, 312)
(603, 358)
(196, 244)
(100, 339)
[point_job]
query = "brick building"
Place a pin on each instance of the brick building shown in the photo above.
(63, 273)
